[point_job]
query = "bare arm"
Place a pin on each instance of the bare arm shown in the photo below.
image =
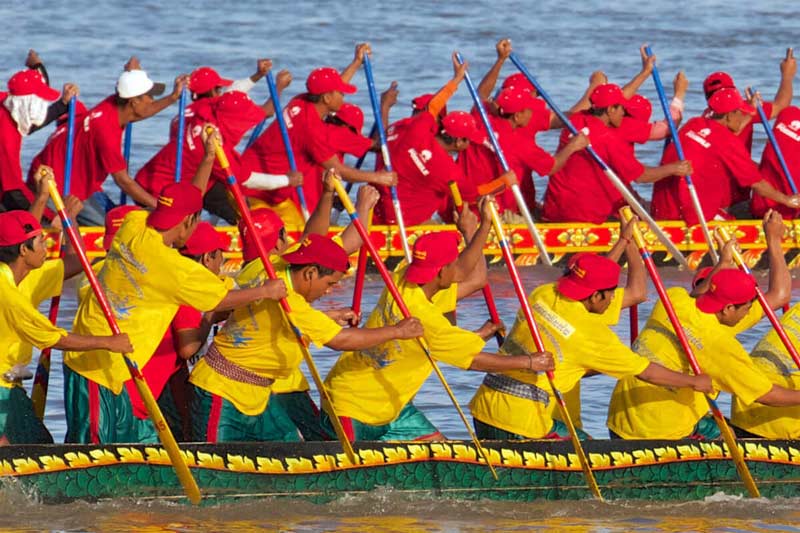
(361, 338)
(489, 81)
(358, 59)
(156, 106)
(84, 343)
(535, 362)
(780, 281)
(576, 144)
(355, 175)
(467, 224)
(653, 174)
(133, 189)
(659, 375)
(473, 253)
(282, 81)
(192, 339)
(270, 290)
(597, 78)
(632, 87)
(765, 189)
(783, 98)
(780, 397)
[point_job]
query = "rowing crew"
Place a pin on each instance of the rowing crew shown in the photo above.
(323, 128)
(161, 276)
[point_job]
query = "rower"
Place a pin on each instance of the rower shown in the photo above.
(233, 380)
(265, 164)
(574, 315)
(581, 192)
(29, 106)
(221, 102)
(373, 390)
(787, 135)
(515, 115)
(146, 280)
(26, 279)
(718, 309)
(718, 160)
(98, 140)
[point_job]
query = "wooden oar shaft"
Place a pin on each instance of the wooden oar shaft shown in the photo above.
(725, 430)
(162, 428)
(390, 285)
(610, 174)
(488, 297)
(537, 340)
(263, 254)
(387, 160)
(679, 149)
(515, 190)
(774, 142)
(762, 300)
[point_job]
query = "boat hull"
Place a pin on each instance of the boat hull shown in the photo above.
(318, 471)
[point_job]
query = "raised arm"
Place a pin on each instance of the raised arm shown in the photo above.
(358, 59)
(632, 87)
(489, 81)
(783, 98)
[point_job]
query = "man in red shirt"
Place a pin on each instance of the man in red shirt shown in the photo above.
(515, 108)
(787, 134)
(581, 192)
(29, 105)
(718, 159)
(304, 116)
(98, 139)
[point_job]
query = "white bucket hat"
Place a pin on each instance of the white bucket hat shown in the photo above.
(132, 83)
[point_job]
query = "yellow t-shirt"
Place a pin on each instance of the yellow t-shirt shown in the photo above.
(258, 338)
(579, 340)
(21, 324)
(374, 385)
(145, 282)
(640, 410)
(773, 360)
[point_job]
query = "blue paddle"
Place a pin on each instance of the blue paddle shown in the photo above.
(179, 138)
(610, 174)
(698, 209)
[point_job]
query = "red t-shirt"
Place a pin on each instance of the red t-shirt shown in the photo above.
(309, 140)
(580, 191)
(424, 169)
(634, 131)
(96, 153)
(233, 113)
(346, 141)
(787, 134)
(718, 158)
(165, 360)
(10, 153)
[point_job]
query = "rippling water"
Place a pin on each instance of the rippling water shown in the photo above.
(88, 42)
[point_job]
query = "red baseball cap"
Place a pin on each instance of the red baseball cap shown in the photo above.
(515, 99)
(729, 286)
(176, 202)
(587, 274)
(518, 80)
(351, 115)
(607, 95)
(114, 220)
(12, 227)
(268, 225)
(432, 252)
(728, 100)
(27, 82)
(205, 79)
(326, 79)
(461, 125)
(639, 107)
(420, 103)
(321, 250)
(205, 239)
(716, 81)
(701, 275)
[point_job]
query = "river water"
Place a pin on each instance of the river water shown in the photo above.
(88, 42)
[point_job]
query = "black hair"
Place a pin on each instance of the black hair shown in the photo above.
(597, 111)
(120, 101)
(336, 121)
(447, 138)
(313, 98)
(321, 270)
(750, 301)
(9, 254)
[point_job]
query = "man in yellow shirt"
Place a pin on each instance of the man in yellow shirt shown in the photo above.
(257, 346)
(22, 255)
(145, 279)
(574, 316)
(373, 389)
(719, 308)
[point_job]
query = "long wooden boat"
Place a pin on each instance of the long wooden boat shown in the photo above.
(561, 240)
(527, 470)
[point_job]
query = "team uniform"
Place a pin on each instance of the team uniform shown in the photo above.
(372, 389)
(719, 160)
(787, 134)
(254, 348)
(773, 361)
(145, 282)
(640, 410)
(580, 191)
(21, 328)
(519, 404)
